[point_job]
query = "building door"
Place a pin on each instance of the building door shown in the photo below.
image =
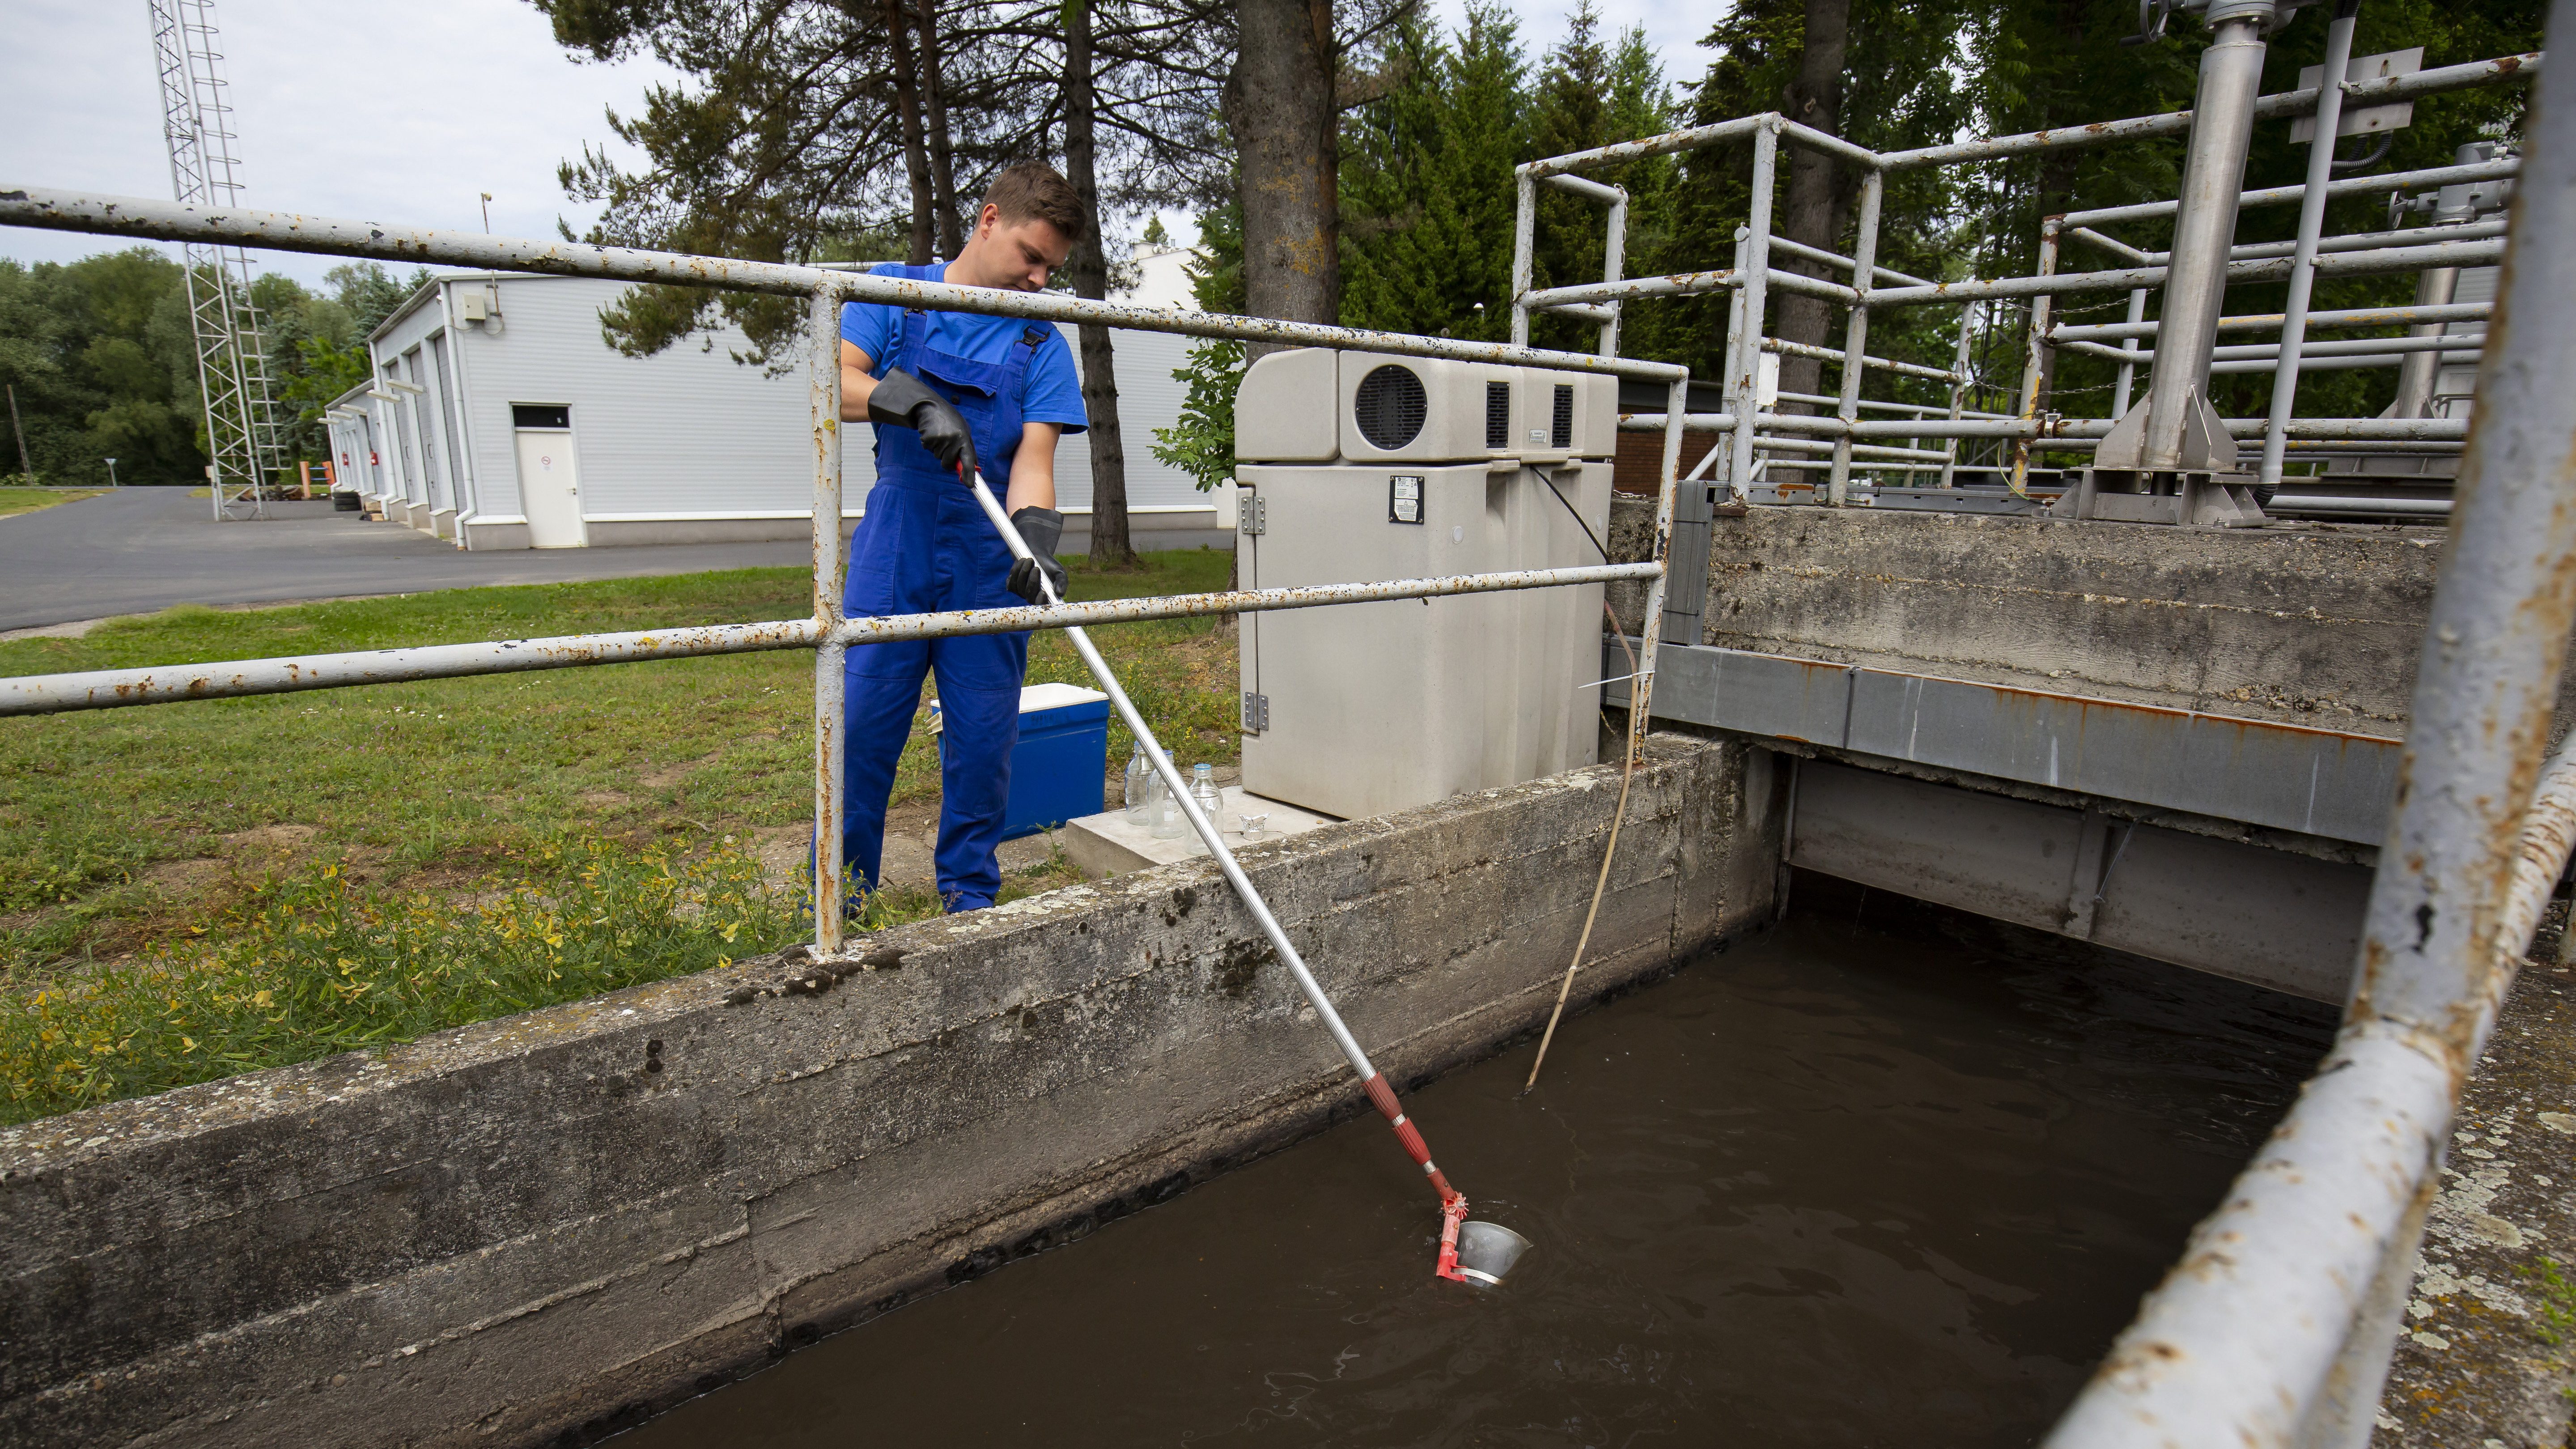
(549, 482)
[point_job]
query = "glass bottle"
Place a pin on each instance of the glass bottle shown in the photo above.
(1204, 794)
(1165, 818)
(1142, 782)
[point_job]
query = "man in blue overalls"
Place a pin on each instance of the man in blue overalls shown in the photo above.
(959, 390)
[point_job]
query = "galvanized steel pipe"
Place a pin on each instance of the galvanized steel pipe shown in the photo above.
(2267, 1333)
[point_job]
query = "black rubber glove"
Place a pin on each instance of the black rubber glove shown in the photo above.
(1040, 529)
(902, 400)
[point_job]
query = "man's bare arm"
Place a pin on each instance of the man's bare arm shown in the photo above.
(856, 383)
(1033, 468)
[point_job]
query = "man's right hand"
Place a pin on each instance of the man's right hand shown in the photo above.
(902, 400)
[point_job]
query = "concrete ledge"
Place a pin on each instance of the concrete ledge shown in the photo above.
(481, 536)
(551, 1225)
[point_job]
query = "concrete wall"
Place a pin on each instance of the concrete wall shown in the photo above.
(549, 1224)
(2317, 626)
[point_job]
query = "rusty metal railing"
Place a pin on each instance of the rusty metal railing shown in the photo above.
(826, 632)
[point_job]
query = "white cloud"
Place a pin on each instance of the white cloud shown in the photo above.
(355, 108)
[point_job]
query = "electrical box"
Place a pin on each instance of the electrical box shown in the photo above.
(1426, 468)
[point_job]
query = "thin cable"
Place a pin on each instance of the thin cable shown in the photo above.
(1601, 882)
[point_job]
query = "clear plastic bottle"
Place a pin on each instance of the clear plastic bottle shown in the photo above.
(1205, 795)
(1142, 782)
(1165, 818)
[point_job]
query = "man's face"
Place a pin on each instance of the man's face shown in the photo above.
(1014, 255)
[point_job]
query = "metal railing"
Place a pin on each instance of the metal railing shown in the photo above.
(827, 632)
(1755, 273)
(2276, 1327)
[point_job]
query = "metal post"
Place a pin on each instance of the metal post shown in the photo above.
(1856, 330)
(1968, 316)
(1614, 249)
(2416, 374)
(2129, 369)
(2222, 126)
(2034, 367)
(1744, 369)
(2242, 1342)
(830, 566)
(2312, 222)
(1524, 233)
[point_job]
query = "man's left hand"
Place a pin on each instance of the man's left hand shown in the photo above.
(1041, 529)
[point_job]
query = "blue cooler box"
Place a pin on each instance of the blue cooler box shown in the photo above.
(1060, 768)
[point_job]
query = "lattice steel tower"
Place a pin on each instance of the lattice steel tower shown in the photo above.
(232, 363)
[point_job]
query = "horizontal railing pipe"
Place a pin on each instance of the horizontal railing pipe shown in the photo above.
(2285, 103)
(117, 688)
(2472, 171)
(296, 232)
(2270, 269)
(2397, 316)
(1671, 142)
(1787, 348)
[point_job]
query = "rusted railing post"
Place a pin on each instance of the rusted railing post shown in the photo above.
(830, 567)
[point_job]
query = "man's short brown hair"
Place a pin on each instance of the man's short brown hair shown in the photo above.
(1032, 191)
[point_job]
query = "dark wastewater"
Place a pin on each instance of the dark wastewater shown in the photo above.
(1870, 1178)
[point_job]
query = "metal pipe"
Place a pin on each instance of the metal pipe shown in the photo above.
(2345, 347)
(1968, 317)
(1613, 258)
(1873, 187)
(1694, 139)
(1753, 293)
(2271, 1306)
(2128, 356)
(2262, 269)
(2335, 190)
(1585, 186)
(2231, 72)
(1679, 284)
(2035, 356)
(2350, 363)
(116, 688)
(2271, 321)
(2285, 103)
(1786, 348)
(1837, 259)
(823, 340)
(287, 231)
(2339, 503)
(1524, 230)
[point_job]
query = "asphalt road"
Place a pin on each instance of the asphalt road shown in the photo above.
(136, 550)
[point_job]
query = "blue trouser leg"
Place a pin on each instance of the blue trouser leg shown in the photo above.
(881, 691)
(980, 724)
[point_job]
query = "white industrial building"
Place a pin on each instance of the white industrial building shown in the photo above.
(499, 417)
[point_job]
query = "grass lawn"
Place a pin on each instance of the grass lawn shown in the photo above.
(159, 839)
(28, 500)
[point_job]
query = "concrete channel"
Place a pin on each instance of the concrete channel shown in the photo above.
(548, 1228)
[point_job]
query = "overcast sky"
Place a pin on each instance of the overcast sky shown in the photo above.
(375, 110)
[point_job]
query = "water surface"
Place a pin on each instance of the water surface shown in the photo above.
(1836, 1186)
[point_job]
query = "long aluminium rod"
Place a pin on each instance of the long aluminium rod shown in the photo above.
(119, 688)
(1380, 1094)
(2284, 195)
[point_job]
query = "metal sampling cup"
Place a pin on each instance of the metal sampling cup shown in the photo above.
(1487, 1251)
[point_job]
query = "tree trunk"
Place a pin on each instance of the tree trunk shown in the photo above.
(943, 162)
(1812, 215)
(1279, 105)
(1089, 264)
(907, 101)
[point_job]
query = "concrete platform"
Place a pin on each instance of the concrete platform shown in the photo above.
(1109, 844)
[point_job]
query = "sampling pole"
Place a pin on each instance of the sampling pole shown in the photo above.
(1453, 1206)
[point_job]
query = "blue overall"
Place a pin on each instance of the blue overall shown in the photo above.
(924, 545)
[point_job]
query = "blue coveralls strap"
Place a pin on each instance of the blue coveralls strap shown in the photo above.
(923, 545)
